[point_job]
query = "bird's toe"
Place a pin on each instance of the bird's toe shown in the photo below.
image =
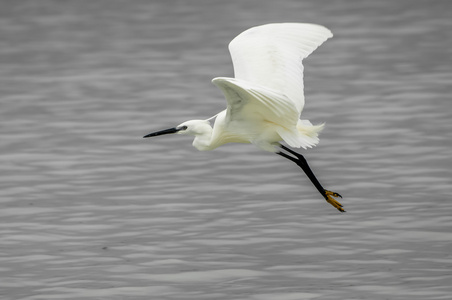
(329, 198)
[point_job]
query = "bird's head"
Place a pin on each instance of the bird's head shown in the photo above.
(193, 127)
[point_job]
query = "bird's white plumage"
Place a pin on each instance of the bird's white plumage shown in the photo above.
(268, 83)
(271, 56)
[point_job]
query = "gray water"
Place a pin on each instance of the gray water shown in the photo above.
(91, 210)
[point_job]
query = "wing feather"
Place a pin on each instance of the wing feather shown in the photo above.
(271, 56)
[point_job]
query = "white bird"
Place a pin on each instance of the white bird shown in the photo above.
(265, 99)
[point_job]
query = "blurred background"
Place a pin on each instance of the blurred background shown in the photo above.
(90, 209)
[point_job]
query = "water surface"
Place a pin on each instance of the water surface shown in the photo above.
(90, 210)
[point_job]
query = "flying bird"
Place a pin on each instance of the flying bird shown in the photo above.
(265, 98)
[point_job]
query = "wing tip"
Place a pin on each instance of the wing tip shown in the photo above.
(325, 31)
(222, 81)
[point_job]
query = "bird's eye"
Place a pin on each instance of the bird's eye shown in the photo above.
(183, 128)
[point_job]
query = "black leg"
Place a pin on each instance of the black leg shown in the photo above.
(303, 164)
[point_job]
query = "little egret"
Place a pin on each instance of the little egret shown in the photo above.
(265, 99)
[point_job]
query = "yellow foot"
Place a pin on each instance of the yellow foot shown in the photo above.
(329, 198)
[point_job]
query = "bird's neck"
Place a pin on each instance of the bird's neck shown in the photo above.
(203, 140)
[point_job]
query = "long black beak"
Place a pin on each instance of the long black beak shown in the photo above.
(162, 132)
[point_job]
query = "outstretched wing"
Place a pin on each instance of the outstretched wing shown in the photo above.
(270, 56)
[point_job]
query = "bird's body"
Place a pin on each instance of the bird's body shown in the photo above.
(265, 99)
(263, 133)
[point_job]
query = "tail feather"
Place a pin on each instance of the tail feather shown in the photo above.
(304, 136)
